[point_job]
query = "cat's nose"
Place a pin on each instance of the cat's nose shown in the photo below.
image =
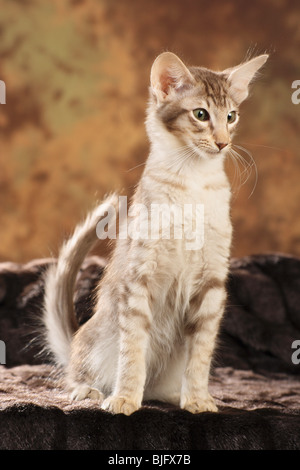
(221, 145)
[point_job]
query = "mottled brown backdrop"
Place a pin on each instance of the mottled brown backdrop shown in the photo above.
(72, 128)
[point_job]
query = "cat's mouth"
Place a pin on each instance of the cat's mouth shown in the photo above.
(211, 150)
(214, 151)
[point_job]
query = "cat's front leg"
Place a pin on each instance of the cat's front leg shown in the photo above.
(134, 325)
(202, 329)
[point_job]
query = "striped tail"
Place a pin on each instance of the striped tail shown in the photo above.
(59, 317)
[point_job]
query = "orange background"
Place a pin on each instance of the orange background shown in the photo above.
(72, 128)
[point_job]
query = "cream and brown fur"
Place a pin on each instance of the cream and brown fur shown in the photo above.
(159, 305)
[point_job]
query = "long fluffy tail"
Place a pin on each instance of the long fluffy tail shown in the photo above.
(59, 318)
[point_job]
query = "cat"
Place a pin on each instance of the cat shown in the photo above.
(159, 305)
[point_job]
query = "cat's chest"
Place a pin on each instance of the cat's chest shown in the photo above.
(207, 244)
(216, 213)
(210, 209)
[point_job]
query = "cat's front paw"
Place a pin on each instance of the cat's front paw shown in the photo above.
(116, 405)
(200, 405)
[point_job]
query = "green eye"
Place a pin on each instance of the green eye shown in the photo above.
(231, 117)
(201, 114)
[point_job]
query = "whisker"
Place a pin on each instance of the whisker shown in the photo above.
(134, 167)
(181, 156)
(237, 173)
(181, 160)
(247, 166)
(178, 152)
(262, 146)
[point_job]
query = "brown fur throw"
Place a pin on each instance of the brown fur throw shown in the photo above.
(255, 382)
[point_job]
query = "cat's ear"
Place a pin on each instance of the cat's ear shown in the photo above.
(239, 77)
(169, 75)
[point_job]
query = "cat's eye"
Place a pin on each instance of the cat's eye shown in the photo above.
(231, 117)
(201, 114)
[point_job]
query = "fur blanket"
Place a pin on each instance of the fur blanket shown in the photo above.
(254, 381)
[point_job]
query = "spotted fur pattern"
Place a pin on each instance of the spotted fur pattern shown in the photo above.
(159, 305)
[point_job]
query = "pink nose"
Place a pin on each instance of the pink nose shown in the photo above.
(221, 145)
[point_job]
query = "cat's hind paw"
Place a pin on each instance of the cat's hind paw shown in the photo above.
(81, 392)
(116, 405)
(200, 405)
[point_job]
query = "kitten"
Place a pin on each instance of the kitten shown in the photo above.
(159, 304)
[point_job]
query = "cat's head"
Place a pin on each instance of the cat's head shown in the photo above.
(197, 107)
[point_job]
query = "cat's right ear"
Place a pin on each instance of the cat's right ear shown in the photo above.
(169, 76)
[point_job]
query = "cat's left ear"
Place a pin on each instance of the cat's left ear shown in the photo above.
(169, 76)
(239, 77)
